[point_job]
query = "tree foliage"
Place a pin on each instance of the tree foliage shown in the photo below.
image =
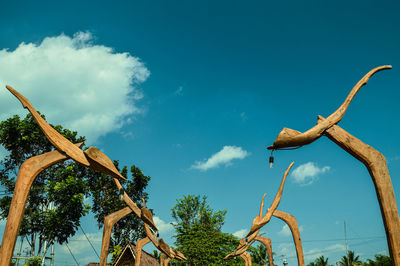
(61, 186)
(320, 261)
(350, 259)
(106, 201)
(198, 231)
(56, 201)
(380, 260)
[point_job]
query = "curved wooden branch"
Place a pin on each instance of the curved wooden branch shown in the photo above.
(138, 249)
(109, 223)
(375, 162)
(59, 141)
(92, 158)
(162, 259)
(247, 258)
(292, 138)
(260, 221)
(267, 243)
(28, 172)
(294, 228)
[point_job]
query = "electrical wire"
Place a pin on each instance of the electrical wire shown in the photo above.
(89, 242)
(77, 263)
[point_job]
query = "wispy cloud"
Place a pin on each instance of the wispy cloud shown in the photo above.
(285, 231)
(307, 173)
(179, 91)
(314, 253)
(223, 157)
(80, 85)
(243, 116)
(162, 226)
(241, 233)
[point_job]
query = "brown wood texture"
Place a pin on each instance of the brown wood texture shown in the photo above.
(59, 141)
(371, 158)
(162, 259)
(138, 250)
(375, 162)
(291, 138)
(109, 223)
(260, 220)
(28, 172)
(294, 228)
(247, 258)
(267, 244)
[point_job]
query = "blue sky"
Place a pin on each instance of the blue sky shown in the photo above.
(193, 92)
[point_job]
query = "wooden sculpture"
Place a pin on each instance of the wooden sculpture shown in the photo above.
(158, 243)
(294, 228)
(373, 160)
(247, 258)
(91, 158)
(261, 220)
(109, 223)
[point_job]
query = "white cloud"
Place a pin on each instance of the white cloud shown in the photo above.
(312, 254)
(162, 226)
(285, 231)
(241, 233)
(81, 248)
(84, 87)
(307, 173)
(224, 156)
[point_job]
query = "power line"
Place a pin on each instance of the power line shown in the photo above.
(77, 263)
(89, 242)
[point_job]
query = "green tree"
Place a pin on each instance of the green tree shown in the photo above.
(198, 231)
(106, 201)
(259, 254)
(350, 259)
(380, 260)
(55, 203)
(320, 261)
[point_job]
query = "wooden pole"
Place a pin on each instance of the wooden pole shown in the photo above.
(294, 228)
(375, 162)
(28, 172)
(138, 249)
(267, 244)
(109, 223)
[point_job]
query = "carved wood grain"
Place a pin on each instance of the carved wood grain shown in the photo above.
(109, 223)
(294, 228)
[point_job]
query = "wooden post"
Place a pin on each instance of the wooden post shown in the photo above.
(371, 158)
(375, 162)
(28, 172)
(138, 249)
(294, 228)
(267, 243)
(109, 223)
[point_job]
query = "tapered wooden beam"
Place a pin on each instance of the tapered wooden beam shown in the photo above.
(162, 259)
(294, 228)
(292, 138)
(267, 244)
(59, 141)
(28, 172)
(138, 249)
(109, 223)
(260, 220)
(375, 162)
(246, 257)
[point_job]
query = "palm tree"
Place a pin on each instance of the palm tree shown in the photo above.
(380, 260)
(350, 259)
(320, 261)
(259, 254)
